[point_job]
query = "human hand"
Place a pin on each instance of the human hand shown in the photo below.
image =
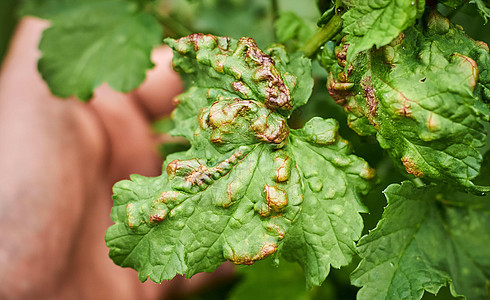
(58, 162)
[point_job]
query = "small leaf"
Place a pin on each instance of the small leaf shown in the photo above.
(423, 242)
(377, 23)
(87, 46)
(249, 185)
(421, 96)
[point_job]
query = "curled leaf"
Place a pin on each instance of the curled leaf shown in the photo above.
(420, 96)
(249, 187)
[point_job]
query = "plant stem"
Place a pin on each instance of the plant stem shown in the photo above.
(275, 9)
(322, 36)
(275, 15)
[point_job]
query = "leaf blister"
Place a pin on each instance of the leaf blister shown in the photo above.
(420, 103)
(240, 190)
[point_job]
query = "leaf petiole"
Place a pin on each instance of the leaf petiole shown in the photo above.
(332, 28)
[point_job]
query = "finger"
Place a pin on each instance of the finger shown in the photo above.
(132, 143)
(160, 86)
(49, 151)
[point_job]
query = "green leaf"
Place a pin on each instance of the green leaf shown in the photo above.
(327, 58)
(263, 281)
(420, 96)
(425, 241)
(281, 82)
(482, 58)
(235, 18)
(249, 185)
(289, 26)
(329, 222)
(266, 281)
(92, 42)
(377, 23)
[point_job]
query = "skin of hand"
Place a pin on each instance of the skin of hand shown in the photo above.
(58, 161)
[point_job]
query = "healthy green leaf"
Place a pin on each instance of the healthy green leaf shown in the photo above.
(231, 18)
(289, 26)
(419, 95)
(424, 241)
(376, 23)
(87, 46)
(249, 186)
(264, 281)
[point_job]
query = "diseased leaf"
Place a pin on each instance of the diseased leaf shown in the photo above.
(424, 241)
(249, 186)
(232, 18)
(240, 67)
(376, 23)
(92, 42)
(482, 90)
(419, 95)
(329, 223)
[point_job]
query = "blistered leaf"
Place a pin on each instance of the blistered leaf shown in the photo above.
(92, 42)
(232, 18)
(482, 90)
(376, 23)
(240, 67)
(426, 240)
(249, 186)
(420, 96)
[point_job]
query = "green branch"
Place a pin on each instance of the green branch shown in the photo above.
(327, 32)
(274, 16)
